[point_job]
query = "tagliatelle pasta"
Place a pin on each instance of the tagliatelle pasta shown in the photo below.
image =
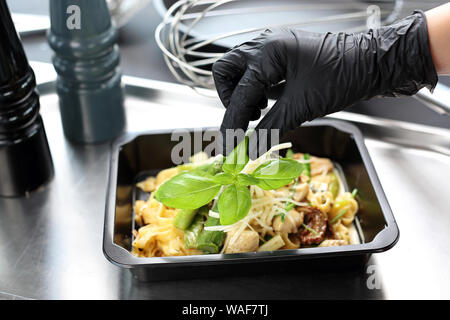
(158, 237)
(345, 205)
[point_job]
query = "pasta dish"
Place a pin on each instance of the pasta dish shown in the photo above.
(215, 205)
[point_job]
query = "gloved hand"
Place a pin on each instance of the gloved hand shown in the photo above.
(324, 72)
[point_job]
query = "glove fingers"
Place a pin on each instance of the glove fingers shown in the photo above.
(226, 74)
(280, 119)
(262, 104)
(245, 104)
(239, 66)
(234, 124)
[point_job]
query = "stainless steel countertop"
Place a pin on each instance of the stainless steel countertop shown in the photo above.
(51, 241)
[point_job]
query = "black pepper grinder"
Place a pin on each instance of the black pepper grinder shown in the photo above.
(86, 60)
(25, 160)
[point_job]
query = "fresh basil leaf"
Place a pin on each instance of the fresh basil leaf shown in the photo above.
(188, 190)
(234, 204)
(244, 179)
(205, 167)
(224, 178)
(211, 167)
(215, 167)
(237, 159)
(289, 154)
(277, 173)
(187, 167)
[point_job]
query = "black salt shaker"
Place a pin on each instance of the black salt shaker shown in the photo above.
(25, 160)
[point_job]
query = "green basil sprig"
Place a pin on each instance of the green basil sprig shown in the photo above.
(245, 179)
(237, 159)
(195, 188)
(277, 173)
(234, 204)
(188, 190)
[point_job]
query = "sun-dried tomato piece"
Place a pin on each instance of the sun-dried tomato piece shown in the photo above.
(316, 226)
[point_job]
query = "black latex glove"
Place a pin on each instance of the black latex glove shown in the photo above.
(324, 72)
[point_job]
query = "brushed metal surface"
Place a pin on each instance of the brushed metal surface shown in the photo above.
(438, 101)
(51, 241)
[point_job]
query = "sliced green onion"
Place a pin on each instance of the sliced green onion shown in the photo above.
(310, 230)
(340, 214)
(289, 207)
(354, 192)
(307, 166)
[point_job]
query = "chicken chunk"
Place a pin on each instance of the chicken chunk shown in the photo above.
(318, 165)
(293, 220)
(247, 241)
(333, 243)
(300, 191)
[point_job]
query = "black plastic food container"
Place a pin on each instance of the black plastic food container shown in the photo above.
(135, 156)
